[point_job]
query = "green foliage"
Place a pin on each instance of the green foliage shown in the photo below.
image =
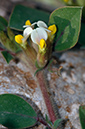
(8, 57)
(20, 14)
(10, 45)
(3, 23)
(56, 123)
(7, 40)
(11, 36)
(15, 112)
(82, 116)
(48, 121)
(68, 21)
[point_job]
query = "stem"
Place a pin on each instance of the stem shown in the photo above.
(46, 96)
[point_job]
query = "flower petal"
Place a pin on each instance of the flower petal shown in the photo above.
(25, 26)
(42, 44)
(28, 23)
(27, 32)
(53, 29)
(41, 24)
(18, 38)
(33, 23)
(38, 34)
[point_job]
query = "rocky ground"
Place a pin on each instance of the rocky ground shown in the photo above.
(67, 90)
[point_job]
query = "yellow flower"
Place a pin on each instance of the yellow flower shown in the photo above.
(66, 1)
(40, 34)
(28, 23)
(53, 29)
(42, 44)
(18, 39)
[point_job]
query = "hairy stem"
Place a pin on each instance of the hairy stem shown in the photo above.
(46, 96)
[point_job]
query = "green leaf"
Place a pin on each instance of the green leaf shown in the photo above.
(3, 23)
(68, 21)
(56, 123)
(82, 116)
(21, 13)
(16, 113)
(8, 57)
(82, 34)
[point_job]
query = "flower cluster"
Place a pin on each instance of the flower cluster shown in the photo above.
(37, 35)
(42, 36)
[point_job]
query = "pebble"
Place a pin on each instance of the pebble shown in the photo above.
(70, 91)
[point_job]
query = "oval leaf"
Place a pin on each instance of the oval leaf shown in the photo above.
(15, 112)
(68, 21)
(82, 116)
(21, 13)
